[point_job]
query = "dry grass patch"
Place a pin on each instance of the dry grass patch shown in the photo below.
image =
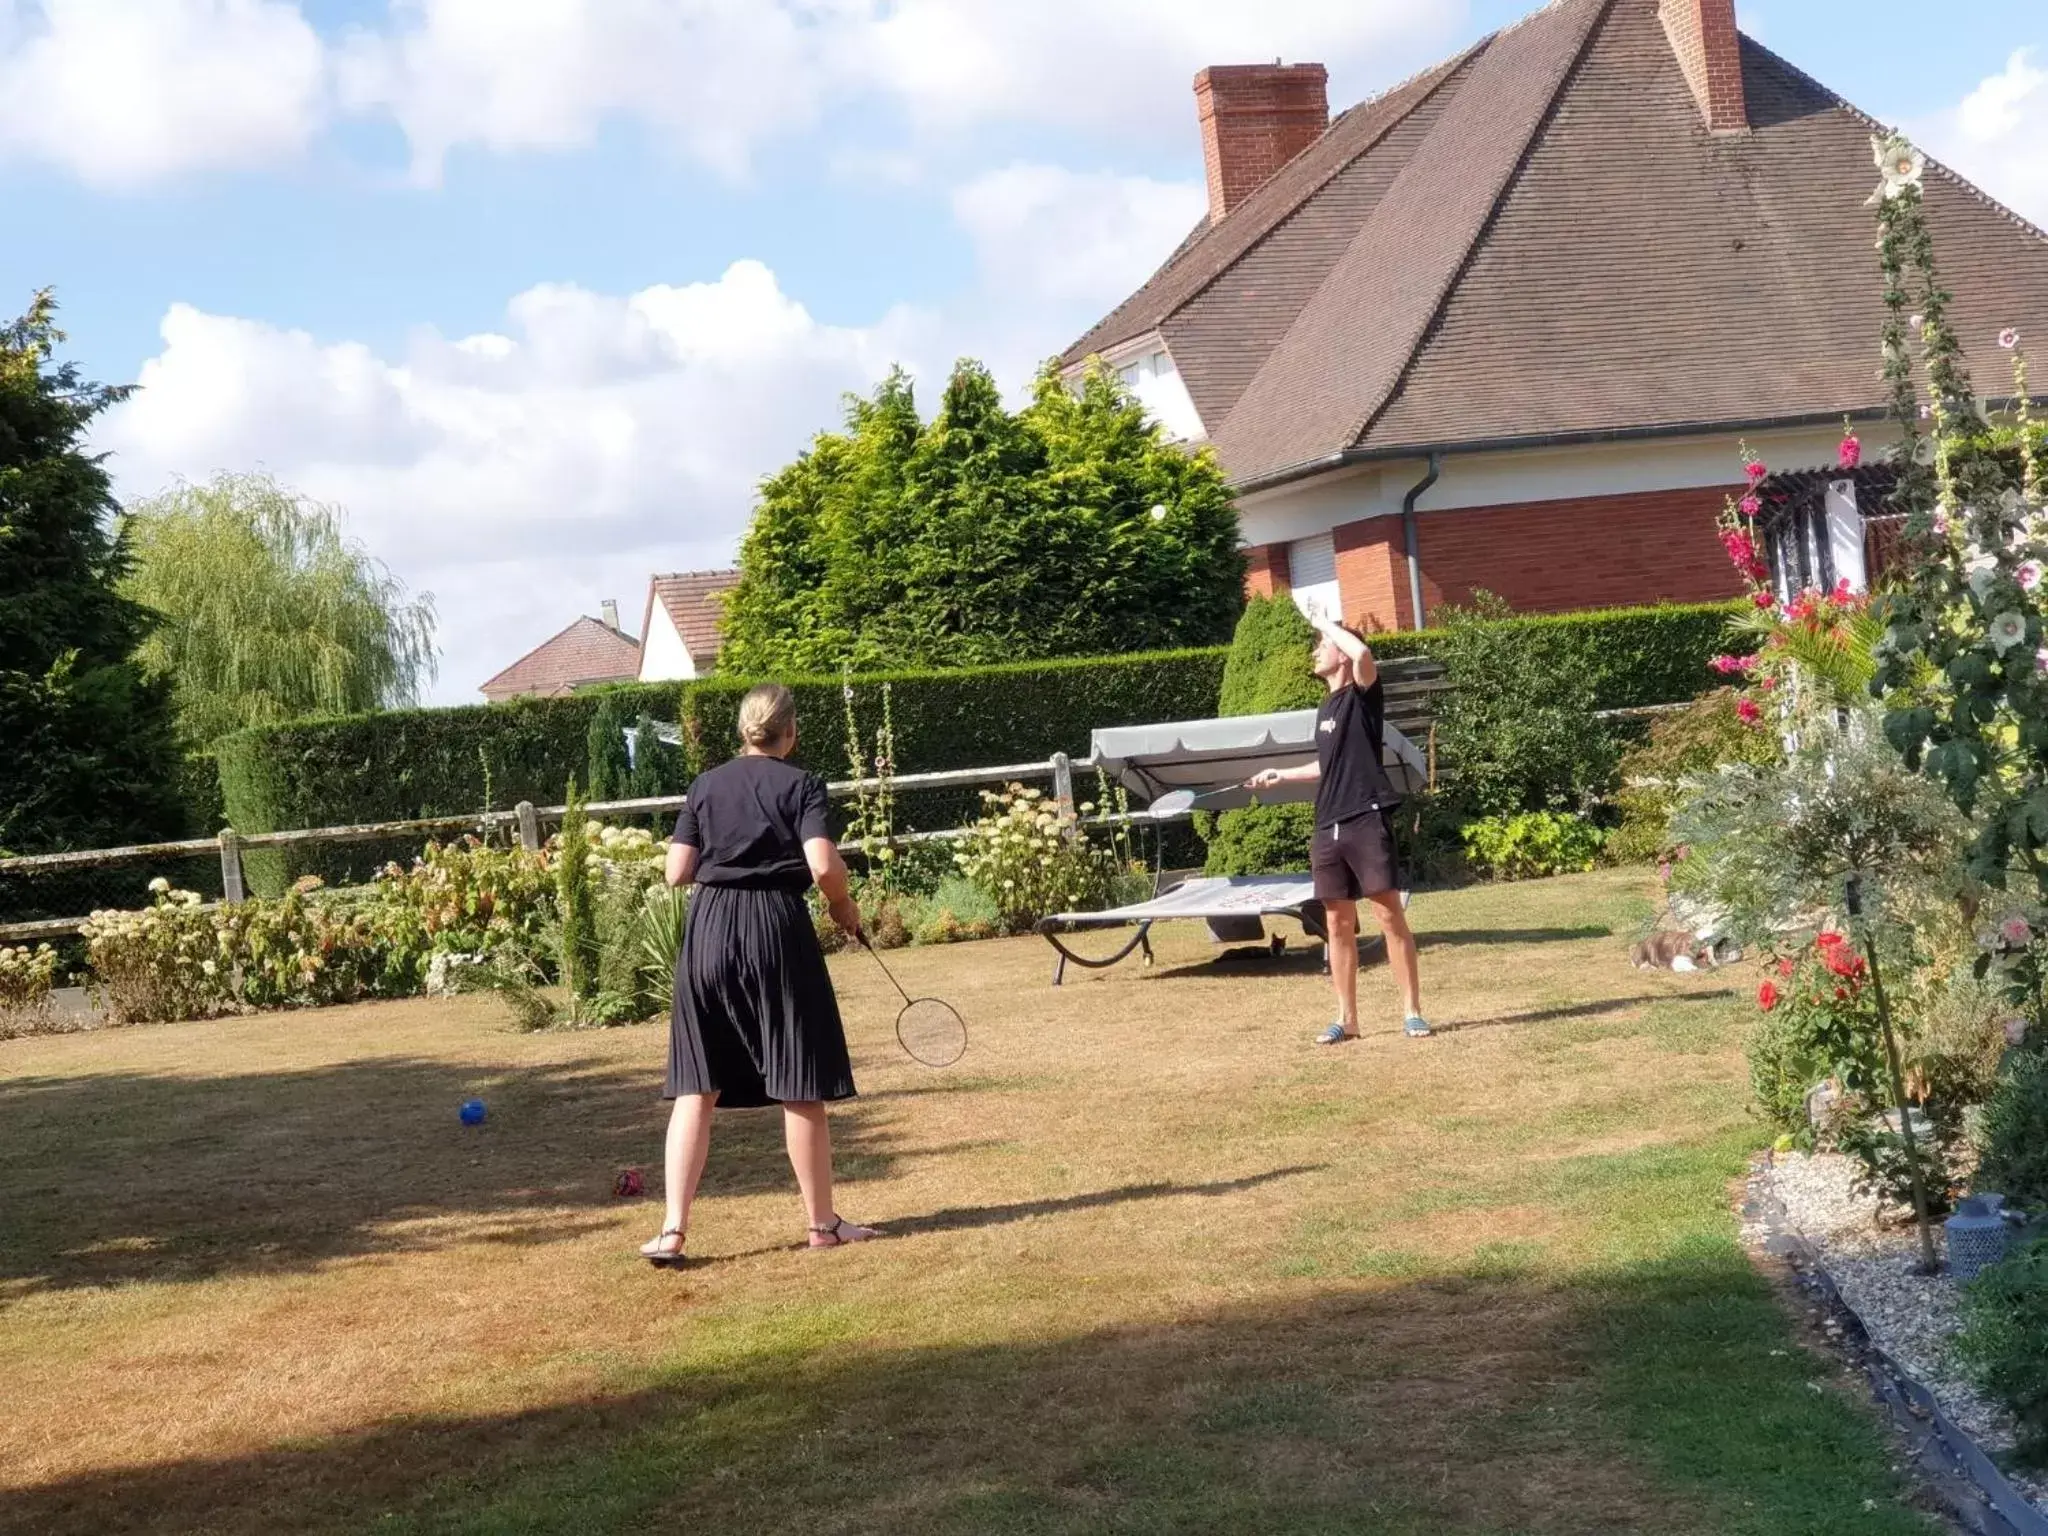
(1155, 1262)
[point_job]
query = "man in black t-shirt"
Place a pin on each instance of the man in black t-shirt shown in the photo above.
(1353, 855)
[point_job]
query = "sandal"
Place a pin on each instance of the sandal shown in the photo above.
(661, 1257)
(838, 1232)
(1336, 1034)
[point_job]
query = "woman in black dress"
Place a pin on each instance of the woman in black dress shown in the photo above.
(755, 1021)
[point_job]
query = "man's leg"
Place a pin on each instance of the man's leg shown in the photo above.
(1401, 956)
(1341, 917)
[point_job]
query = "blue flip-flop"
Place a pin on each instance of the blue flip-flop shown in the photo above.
(1415, 1027)
(1334, 1035)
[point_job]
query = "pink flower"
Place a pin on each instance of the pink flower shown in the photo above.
(2015, 1031)
(1763, 599)
(2008, 338)
(1850, 453)
(1750, 506)
(1747, 712)
(1755, 470)
(2028, 575)
(1767, 996)
(2041, 659)
(1725, 665)
(2015, 930)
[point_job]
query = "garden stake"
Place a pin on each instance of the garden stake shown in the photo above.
(1929, 1262)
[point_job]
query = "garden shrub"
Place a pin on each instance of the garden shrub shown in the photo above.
(1516, 729)
(399, 764)
(956, 910)
(575, 904)
(1686, 742)
(608, 768)
(2015, 1133)
(1032, 859)
(1532, 845)
(160, 965)
(1268, 671)
(1785, 1066)
(2004, 1342)
(26, 977)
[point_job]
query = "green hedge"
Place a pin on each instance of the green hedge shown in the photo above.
(403, 763)
(1635, 656)
(973, 717)
(434, 762)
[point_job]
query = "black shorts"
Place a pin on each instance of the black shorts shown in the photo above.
(1355, 858)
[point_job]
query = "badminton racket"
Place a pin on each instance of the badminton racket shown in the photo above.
(931, 1032)
(1186, 800)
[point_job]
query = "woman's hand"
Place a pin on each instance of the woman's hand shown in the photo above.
(846, 914)
(1267, 778)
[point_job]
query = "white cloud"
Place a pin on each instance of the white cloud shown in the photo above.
(1998, 136)
(523, 476)
(1049, 233)
(122, 92)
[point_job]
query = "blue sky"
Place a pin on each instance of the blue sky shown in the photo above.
(537, 289)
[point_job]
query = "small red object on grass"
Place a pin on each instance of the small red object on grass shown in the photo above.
(628, 1184)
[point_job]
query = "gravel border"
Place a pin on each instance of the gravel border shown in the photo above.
(1802, 1206)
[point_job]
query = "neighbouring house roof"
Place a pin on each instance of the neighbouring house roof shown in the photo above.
(585, 653)
(690, 599)
(1540, 239)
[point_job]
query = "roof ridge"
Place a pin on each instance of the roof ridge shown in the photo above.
(723, 570)
(1877, 126)
(1412, 267)
(1507, 188)
(580, 619)
(1444, 69)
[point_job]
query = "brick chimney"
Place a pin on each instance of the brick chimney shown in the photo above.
(610, 609)
(1256, 118)
(1709, 50)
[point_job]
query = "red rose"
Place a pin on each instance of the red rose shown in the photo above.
(1767, 996)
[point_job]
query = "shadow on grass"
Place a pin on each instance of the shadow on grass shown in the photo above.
(1447, 938)
(113, 1179)
(1581, 1010)
(1664, 1397)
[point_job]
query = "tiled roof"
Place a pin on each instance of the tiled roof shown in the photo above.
(586, 652)
(691, 599)
(1540, 239)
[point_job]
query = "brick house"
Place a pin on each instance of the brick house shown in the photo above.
(679, 633)
(1506, 325)
(587, 653)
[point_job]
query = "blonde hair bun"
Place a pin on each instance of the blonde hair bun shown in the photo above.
(767, 715)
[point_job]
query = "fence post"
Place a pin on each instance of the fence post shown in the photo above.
(1063, 783)
(231, 866)
(529, 827)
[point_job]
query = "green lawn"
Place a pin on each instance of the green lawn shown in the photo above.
(1155, 1263)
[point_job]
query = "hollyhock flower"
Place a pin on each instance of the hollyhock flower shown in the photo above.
(2015, 1031)
(2028, 575)
(2041, 659)
(1842, 595)
(1750, 506)
(1899, 163)
(1940, 524)
(1767, 996)
(2008, 338)
(2007, 631)
(1726, 665)
(1918, 322)
(1747, 712)
(1755, 470)
(2016, 930)
(1850, 454)
(1764, 600)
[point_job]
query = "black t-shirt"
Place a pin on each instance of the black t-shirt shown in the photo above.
(749, 820)
(1351, 729)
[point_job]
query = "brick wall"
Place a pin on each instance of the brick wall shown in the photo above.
(1709, 50)
(1372, 574)
(1265, 570)
(1589, 552)
(1255, 118)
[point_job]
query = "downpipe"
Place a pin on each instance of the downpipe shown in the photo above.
(1436, 466)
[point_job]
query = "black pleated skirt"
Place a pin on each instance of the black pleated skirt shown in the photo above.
(755, 1020)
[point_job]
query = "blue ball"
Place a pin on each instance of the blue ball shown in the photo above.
(473, 1112)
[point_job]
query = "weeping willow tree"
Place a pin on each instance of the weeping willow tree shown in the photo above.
(268, 611)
